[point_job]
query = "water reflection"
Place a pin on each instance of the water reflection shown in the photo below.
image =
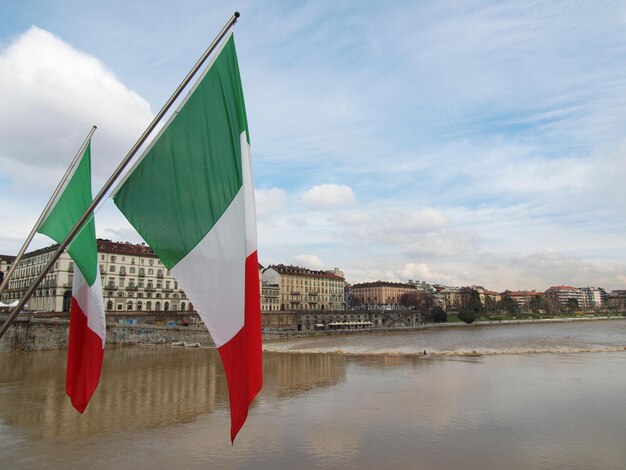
(142, 387)
(167, 408)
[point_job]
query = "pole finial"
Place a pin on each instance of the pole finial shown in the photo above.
(237, 15)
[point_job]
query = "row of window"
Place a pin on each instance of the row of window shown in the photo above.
(139, 306)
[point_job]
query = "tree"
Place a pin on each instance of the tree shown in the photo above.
(421, 301)
(509, 305)
(572, 304)
(468, 316)
(439, 315)
(470, 300)
(355, 301)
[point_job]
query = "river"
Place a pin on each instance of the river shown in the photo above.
(516, 397)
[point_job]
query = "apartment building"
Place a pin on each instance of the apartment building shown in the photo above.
(563, 294)
(381, 294)
(306, 289)
(133, 279)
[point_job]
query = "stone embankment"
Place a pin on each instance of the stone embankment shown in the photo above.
(35, 334)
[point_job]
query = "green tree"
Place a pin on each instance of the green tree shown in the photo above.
(468, 316)
(572, 304)
(509, 305)
(439, 315)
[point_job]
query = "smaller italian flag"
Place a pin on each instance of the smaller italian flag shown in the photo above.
(87, 323)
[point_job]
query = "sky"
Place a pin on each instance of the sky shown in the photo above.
(453, 142)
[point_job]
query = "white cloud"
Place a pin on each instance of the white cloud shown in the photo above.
(391, 225)
(447, 243)
(270, 201)
(329, 196)
(308, 261)
(51, 95)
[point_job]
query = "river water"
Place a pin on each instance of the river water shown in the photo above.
(481, 398)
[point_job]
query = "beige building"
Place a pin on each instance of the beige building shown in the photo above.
(5, 264)
(270, 297)
(306, 289)
(133, 279)
(450, 299)
(381, 294)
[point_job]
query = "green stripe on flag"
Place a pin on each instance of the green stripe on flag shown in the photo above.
(70, 206)
(192, 172)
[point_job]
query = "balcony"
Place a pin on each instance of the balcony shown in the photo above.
(167, 289)
(122, 273)
(131, 288)
(160, 275)
(141, 274)
(150, 289)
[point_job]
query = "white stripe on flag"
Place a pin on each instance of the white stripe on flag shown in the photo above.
(90, 301)
(214, 271)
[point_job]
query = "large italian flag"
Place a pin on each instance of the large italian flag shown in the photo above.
(87, 323)
(191, 198)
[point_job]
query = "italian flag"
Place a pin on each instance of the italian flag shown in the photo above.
(191, 197)
(87, 323)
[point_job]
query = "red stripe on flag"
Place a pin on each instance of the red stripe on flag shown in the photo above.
(241, 356)
(84, 359)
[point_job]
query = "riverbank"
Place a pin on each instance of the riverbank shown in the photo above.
(269, 336)
(36, 334)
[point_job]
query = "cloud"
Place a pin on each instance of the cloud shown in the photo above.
(270, 201)
(308, 261)
(447, 243)
(51, 95)
(329, 196)
(390, 225)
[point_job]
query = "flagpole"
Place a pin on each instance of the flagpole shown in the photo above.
(44, 213)
(118, 171)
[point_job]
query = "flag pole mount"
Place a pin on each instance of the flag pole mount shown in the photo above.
(118, 171)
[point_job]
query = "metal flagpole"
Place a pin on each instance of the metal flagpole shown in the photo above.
(44, 214)
(116, 173)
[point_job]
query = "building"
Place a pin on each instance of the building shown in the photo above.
(521, 297)
(616, 300)
(381, 294)
(5, 264)
(306, 289)
(270, 297)
(450, 298)
(563, 294)
(593, 297)
(133, 279)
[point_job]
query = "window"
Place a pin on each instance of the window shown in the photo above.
(151, 262)
(150, 271)
(113, 258)
(132, 270)
(166, 306)
(112, 269)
